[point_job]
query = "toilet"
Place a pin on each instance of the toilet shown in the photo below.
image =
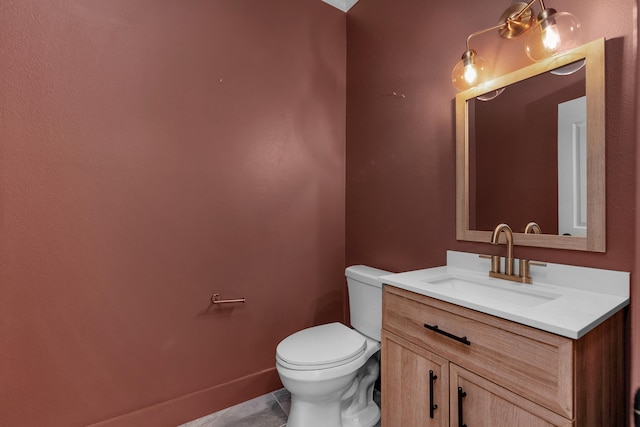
(330, 370)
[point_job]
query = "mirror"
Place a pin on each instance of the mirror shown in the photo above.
(530, 146)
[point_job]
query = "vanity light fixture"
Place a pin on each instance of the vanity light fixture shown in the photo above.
(555, 32)
(470, 71)
(550, 33)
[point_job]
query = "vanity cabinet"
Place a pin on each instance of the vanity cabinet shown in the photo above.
(493, 372)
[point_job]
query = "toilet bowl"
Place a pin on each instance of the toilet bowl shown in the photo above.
(327, 380)
(330, 370)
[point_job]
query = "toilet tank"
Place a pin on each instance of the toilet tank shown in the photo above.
(365, 299)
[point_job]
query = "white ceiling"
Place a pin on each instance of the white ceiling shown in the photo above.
(343, 5)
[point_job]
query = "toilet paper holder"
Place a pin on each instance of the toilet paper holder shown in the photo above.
(215, 299)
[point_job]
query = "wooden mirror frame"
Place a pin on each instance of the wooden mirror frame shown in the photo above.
(595, 241)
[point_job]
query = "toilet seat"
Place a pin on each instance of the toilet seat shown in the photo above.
(321, 347)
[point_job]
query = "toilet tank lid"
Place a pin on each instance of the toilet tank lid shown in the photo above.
(366, 274)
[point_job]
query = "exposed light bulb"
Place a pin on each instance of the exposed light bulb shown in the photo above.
(470, 71)
(551, 38)
(470, 74)
(552, 34)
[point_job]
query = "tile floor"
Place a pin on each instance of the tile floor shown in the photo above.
(269, 410)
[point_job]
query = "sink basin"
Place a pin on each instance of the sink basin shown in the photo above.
(485, 292)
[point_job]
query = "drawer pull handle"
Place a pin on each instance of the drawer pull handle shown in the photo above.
(461, 394)
(435, 328)
(432, 407)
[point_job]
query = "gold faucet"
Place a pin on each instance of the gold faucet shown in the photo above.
(524, 270)
(508, 262)
(532, 228)
(524, 265)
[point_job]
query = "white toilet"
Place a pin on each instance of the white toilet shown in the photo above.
(330, 370)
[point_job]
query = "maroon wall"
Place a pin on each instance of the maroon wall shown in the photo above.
(153, 152)
(400, 151)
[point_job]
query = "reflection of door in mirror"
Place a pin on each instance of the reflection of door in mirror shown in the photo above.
(572, 167)
(513, 152)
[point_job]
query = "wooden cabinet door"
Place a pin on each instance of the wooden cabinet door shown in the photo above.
(476, 402)
(415, 385)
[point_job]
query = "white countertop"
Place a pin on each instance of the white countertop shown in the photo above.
(564, 300)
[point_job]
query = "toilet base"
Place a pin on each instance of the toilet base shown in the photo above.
(359, 409)
(308, 414)
(369, 417)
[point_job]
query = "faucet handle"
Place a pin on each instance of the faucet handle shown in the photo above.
(525, 271)
(495, 262)
(538, 263)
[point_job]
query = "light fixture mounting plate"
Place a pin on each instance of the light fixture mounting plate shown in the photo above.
(513, 28)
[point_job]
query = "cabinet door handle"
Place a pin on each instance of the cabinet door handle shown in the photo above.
(435, 328)
(461, 394)
(432, 407)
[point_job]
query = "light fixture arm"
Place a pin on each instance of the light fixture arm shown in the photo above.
(510, 16)
(486, 30)
(527, 7)
(542, 5)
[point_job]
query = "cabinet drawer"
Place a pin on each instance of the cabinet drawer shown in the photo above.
(532, 363)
